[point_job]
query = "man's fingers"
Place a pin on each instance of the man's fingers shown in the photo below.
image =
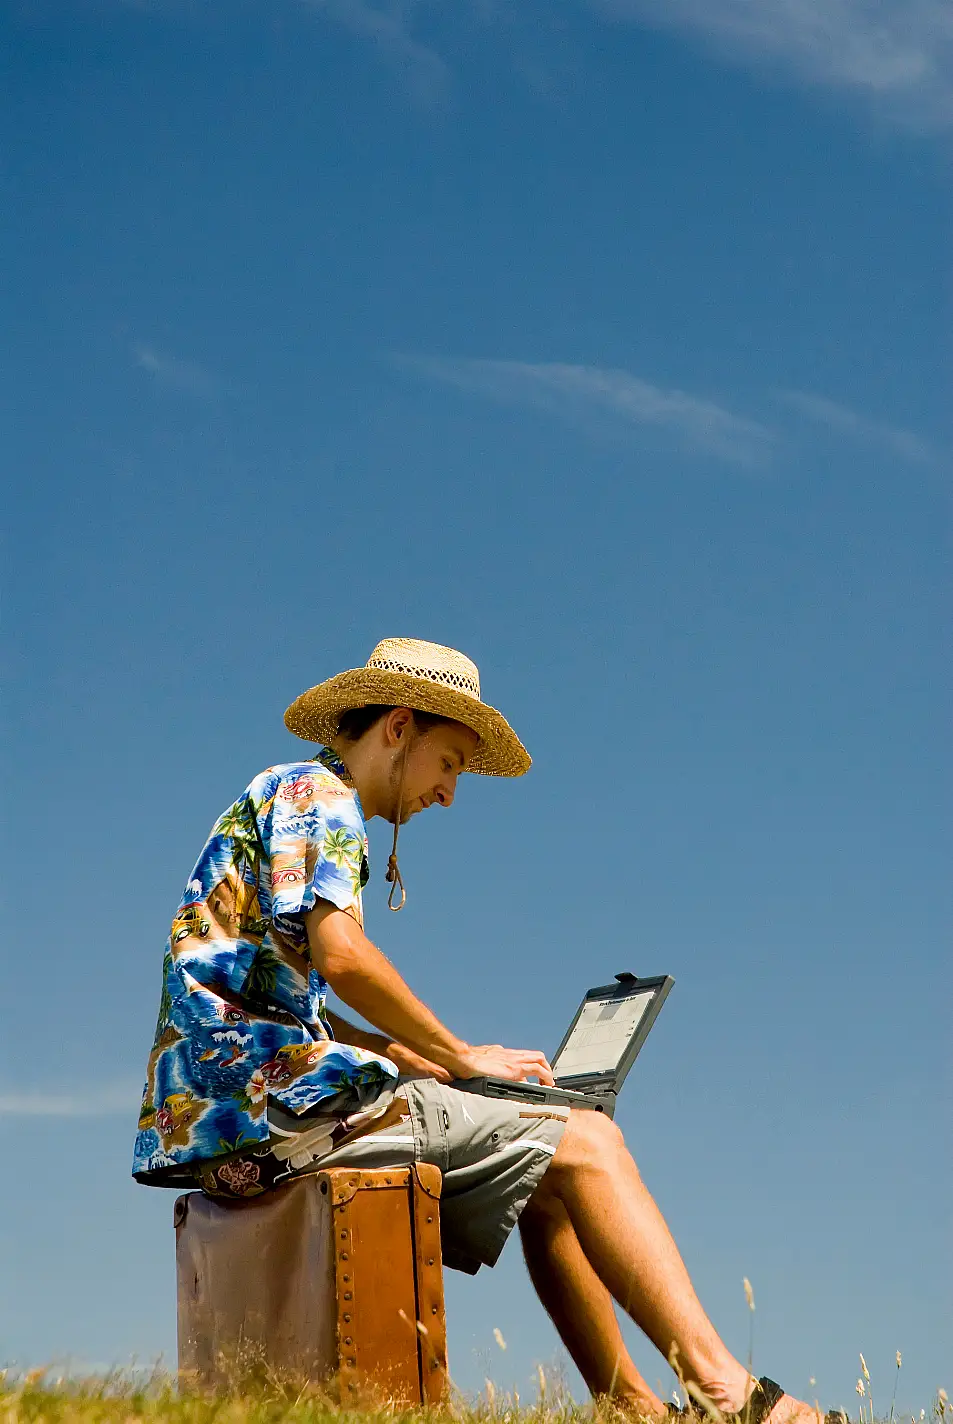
(543, 1071)
(535, 1065)
(517, 1064)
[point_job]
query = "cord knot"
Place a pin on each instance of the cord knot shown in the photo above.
(396, 880)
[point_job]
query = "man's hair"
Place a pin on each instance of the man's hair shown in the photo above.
(358, 720)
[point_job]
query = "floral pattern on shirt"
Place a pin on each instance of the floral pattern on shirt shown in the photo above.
(242, 1014)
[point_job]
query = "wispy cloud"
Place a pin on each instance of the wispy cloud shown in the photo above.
(102, 1100)
(897, 54)
(605, 400)
(388, 27)
(893, 438)
(176, 374)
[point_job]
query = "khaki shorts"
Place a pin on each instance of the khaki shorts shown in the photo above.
(492, 1153)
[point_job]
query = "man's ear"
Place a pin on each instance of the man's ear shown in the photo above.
(397, 724)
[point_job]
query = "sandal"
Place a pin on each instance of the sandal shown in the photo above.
(755, 1409)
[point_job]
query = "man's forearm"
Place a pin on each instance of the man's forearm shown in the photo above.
(366, 980)
(405, 1058)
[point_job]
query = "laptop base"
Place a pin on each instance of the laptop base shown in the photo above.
(537, 1094)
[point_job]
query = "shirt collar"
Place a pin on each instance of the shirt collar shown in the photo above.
(330, 759)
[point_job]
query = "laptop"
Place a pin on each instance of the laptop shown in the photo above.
(597, 1051)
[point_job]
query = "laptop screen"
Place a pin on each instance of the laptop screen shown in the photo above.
(602, 1033)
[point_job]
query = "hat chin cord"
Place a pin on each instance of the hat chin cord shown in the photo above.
(393, 874)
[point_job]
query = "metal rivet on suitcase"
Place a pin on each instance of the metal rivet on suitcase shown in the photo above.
(347, 1319)
(348, 1340)
(347, 1294)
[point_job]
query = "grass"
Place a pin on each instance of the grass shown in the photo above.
(39, 1398)
(258, 1397)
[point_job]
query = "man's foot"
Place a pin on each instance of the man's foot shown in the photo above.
(768, 1404)
(765, 1403)
(789, 1410)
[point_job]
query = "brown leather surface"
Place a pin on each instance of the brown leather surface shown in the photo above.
(376, 1294)
(434, 1378)
(336, 1274)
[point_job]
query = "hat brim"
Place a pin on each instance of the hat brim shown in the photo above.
(315, 715)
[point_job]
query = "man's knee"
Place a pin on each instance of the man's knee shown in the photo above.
(595, 1130)
(591, 1140)
(590, 1143)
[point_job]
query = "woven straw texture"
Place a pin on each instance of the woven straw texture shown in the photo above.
(407, 672)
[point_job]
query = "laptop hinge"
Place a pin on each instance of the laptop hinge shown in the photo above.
(588, 1082)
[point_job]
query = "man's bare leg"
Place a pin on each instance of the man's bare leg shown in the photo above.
(627, 1243)
(580, 1306)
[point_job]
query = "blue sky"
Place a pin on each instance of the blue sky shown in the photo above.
(603, 341)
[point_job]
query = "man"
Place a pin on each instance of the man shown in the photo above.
(252, 1081)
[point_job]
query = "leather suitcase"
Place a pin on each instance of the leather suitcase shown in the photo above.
(337, 1274)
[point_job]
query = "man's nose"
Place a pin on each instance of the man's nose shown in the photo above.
(444, 793)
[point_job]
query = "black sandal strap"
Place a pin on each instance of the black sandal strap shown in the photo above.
(755, 1409)
(761, 1401)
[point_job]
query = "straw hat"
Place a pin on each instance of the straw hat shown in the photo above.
(406, 672)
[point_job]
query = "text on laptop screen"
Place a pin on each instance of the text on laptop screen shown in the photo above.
(601, 1034)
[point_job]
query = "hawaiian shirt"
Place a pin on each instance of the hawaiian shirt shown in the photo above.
(242, 1017)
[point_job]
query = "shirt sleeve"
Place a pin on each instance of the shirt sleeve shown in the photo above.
(315, 843)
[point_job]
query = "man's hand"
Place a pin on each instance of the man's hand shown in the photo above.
(492, 1060)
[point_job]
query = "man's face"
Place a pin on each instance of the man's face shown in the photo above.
(435, 760)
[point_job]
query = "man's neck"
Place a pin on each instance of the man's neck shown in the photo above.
(349, 753)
